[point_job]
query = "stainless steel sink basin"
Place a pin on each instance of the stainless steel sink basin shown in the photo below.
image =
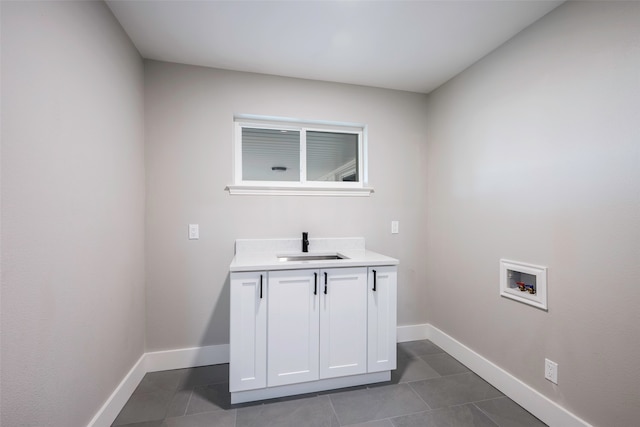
(310, 257)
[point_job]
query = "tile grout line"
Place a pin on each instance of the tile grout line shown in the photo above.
(452, 375)
(420, 397)
(501, 397)
(428, 411)
(486, 413)
(423, 379)
(186, 408)
(333, 409)
(381, 419)
(432, 368)
(447, 375)
(491, 398)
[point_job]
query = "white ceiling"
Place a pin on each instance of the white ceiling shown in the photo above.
(406, 45)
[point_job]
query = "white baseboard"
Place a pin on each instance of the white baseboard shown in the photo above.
(412, 332)
(114, 404)
(186, 357)
(530, 399)
(533, 401)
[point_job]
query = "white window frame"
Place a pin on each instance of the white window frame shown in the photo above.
(301, 187)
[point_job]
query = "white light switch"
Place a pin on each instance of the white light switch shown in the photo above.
(551, 371)
(194, 232)
(394, 227)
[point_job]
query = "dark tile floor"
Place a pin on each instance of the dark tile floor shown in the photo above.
(429, 389)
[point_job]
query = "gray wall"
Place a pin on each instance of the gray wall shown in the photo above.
(189, 141)
(534, 155)
(72, 211)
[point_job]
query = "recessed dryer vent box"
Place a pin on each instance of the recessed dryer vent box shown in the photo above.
(522, 282)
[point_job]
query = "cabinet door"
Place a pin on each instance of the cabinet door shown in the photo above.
(382, 318)
(293, 317)
(343, 322)
(248, 331)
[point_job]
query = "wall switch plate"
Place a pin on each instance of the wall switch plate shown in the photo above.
(551, 371)
(194, 231)
(394, 227)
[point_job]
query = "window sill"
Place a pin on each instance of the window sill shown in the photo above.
(255, 190)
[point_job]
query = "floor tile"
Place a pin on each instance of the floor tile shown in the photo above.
(506, 413)
(429, 388)
(454, 390)
(159, 381)
(206, 419)
(415, 349)
(376, 403)
(144, 407)
(207, 398)
(412, 370)
(378, 423)
(444, 364)
(418, 419)
(178, 405)
(456, 416)
(157, 423)
(308, 412)
(204, 375)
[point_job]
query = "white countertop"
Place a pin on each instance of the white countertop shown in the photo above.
(262, 254)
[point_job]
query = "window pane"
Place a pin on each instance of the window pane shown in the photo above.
(270, 155)
(332, 156)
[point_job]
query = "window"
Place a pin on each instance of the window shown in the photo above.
(289, 156)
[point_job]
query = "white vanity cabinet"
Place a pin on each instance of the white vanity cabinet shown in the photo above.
(317, 324)
(343, 322)
(381, 315)
(248, 331)
(311, 326)
(293, 319)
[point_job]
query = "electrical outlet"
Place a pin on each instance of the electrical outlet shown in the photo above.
(394, 227)
(551, 371)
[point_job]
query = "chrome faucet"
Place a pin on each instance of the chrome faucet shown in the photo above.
(305, 241)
